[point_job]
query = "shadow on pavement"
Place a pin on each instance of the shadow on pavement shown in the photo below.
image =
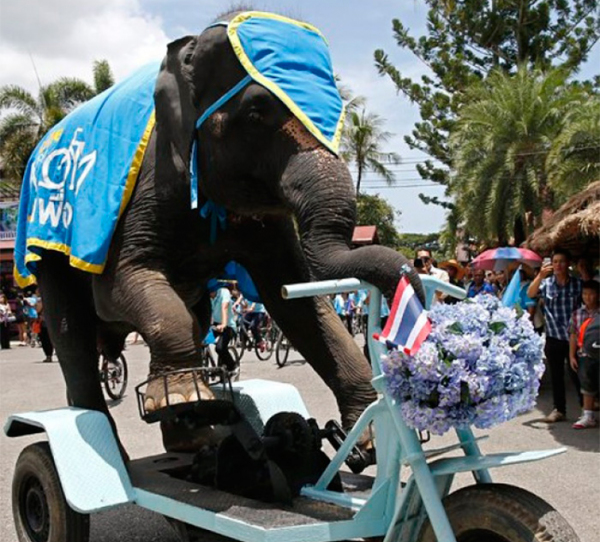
(585, 440)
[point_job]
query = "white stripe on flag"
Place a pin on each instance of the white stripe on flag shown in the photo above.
(421, 321)
(406, 296)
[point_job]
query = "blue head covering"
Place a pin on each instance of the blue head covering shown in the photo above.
(291, 59)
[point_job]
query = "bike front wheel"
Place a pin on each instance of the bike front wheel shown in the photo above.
(501, 513)
(114, 376)
(282, 350)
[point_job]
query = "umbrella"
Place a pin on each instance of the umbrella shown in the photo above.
(497, 259)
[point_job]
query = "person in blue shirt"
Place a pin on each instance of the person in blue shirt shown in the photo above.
(224, 326)
(254, 319)
(339, 304)
(479, 284)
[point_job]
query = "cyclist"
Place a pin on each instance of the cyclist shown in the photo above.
(224, 325)
(255, 317)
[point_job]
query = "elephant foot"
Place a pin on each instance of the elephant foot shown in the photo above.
(183, 434)
(174, 389)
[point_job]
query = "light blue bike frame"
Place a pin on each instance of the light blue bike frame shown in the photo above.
(397, 444)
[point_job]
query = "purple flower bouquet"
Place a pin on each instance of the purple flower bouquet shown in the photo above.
(481, 365)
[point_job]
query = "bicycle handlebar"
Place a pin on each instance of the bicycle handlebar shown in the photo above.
(308, 289)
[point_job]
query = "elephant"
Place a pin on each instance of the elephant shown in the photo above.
(290, 212)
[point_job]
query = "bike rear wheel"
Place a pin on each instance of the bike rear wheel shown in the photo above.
(114, 376)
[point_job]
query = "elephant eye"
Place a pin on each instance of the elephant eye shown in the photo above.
(254, 115)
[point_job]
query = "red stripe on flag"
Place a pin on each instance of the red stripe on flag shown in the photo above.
(397, 297)
(425, 331)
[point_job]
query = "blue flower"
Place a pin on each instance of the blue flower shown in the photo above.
(481, 365)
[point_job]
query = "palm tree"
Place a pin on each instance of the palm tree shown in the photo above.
(351, 102)
(574, 158)
(361, 145)
(29, 118)
(500, 143)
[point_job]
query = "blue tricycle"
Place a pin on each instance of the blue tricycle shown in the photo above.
(79, 470)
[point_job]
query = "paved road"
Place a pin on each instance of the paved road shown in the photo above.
(570, 482)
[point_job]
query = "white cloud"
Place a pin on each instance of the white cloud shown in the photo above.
(64, 37)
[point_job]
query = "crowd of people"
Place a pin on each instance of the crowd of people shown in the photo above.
(561, 297)
(24, 310)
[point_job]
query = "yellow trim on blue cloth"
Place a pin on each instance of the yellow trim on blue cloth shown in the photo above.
(232, 33)
(136, 165)
(81, 177)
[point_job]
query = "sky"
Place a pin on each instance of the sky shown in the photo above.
(64, 37)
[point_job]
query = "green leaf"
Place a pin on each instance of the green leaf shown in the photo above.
(456, 328)
(465, 396)
(497, 327)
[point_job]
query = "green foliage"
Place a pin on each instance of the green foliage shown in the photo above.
(500, 143)
(103, 77)
(408, 243)
(574, 158)
(362, 139)
(467, 39)
(28, 118)
(373, 210)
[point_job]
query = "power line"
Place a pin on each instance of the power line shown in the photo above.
(414, 161)
(385, 186)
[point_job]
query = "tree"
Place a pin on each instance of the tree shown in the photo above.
(29, 118)
(574, 158)
(500, 142)
(467, 39)
(361, 145)
(373, 210)
(409, 243)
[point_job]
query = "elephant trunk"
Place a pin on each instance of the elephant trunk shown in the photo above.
(319, 188)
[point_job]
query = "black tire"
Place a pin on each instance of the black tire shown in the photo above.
(501, 513)
(282, 350)
(240, 345)
(115, 377)
(40, 511)
(267, 338)
(236, 357)
(208, 360)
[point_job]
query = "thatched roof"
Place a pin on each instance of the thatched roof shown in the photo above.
(575, 226)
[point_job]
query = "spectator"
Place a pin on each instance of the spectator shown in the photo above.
(527, 304)
(499, 283)
(561, 295)
(419, 266)
(339, 305)
(585, 270)
(6, 319)
(585, 363)
(44, 336)
(479, 284)
(20, 319)
(350, 309)
(425, 255)
(223, 326)
(456, 272)
(30, 302)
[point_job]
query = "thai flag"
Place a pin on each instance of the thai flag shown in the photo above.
(407, 325)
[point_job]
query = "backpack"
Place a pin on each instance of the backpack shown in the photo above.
(589, 337)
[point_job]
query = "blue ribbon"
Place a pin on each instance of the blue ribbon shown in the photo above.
(194, 158)
(218, 216)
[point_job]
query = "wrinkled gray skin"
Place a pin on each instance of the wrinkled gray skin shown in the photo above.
(291, 213)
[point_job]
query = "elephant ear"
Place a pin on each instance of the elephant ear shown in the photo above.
(174, 100)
